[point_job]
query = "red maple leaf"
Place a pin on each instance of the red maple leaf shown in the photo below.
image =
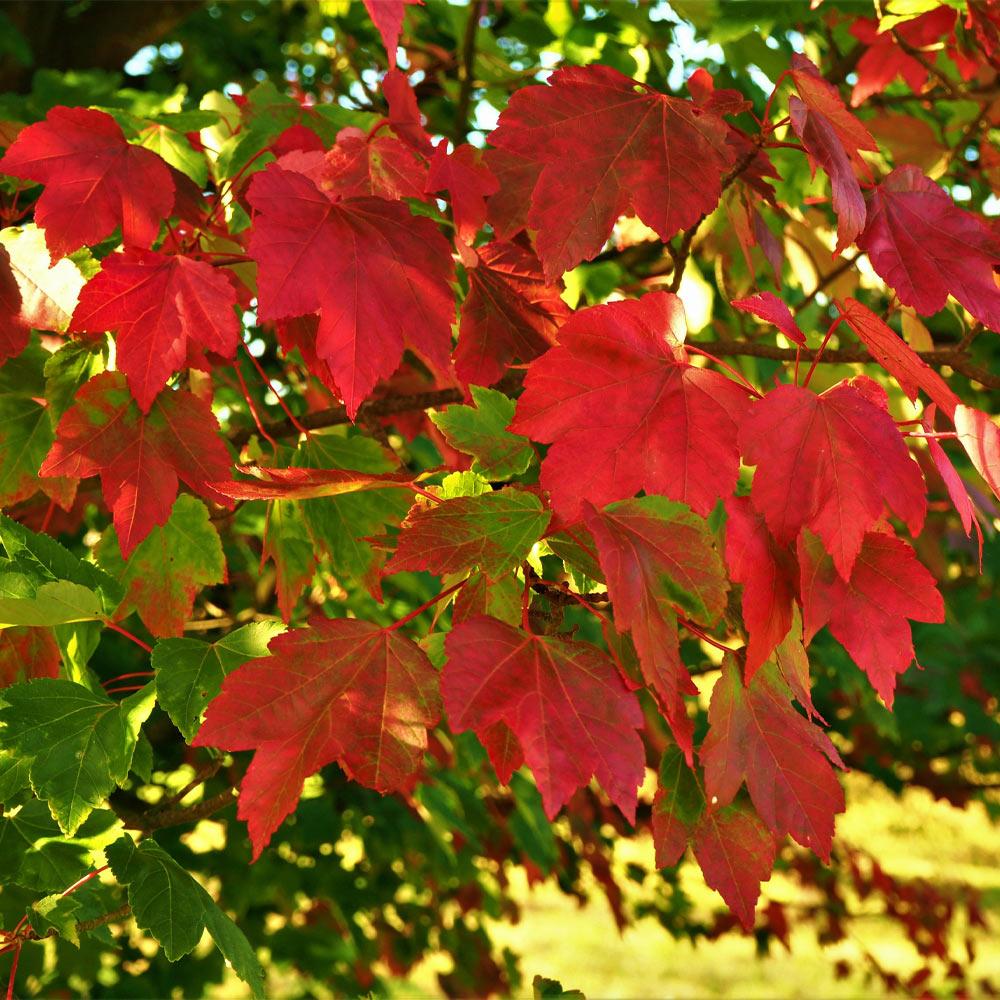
(610, 146)
(733, 846)
(159, 306)
(94, 179)
(463, 173)
(373, 164)
(511, 313)
(830, 463)
(387, 16)
(897, 357)
(868, 613)
(404, 115)
(980, 437)
(755, 735)
(564, 700)
(517, 175)
(833, 138)
(14, 332)
(657, 556)
(377, 276)
(884, 59)
(139, 457)
(925, 247)
(623, 413)
(769, 307)
(768, 576)
(342, 690)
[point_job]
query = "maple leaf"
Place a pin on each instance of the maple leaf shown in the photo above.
(95, 180)
(308, 483)
(732, 845)
(832, 138)
(755, 735)
(769, 307)
(404, 115)
(980, 437)
(189, 672)
(27, 653)
(868, 612)
(464, 174)
(481, 431)
(159, 305)
(768, 576)
(897, 357)
(494, 531)
(924, 246)
(375, 164)
(564, 700)
(623, 414)
(168, 567)
(610, 146)
(884, 59)
(139, 457)
(830, 463)
(511, 313)
(14, 332)
(657, 556)
(48, 292)
(343, 690)
(517, 175)
(377, 276)
(387, 16)
(953, 482)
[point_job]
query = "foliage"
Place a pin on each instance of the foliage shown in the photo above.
(523, 568)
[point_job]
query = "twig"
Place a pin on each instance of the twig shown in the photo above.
(466, 72)
(159, 820)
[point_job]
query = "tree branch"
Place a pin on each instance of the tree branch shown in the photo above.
(467, 72)
(159, 819)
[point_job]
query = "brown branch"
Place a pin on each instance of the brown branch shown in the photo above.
(826, 280)
(159, 819)
(384, 407)
(467, 72)
(914, 53)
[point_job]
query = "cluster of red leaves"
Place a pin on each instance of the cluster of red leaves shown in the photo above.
(353, 278)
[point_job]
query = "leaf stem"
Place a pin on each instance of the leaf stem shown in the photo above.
(115, 627)
(427, 604)
(260, 371)
(729, 368)
(822, 347)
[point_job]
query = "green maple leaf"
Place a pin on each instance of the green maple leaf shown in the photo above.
(175, 909)
(79, 743)
(169, 566)
(189, 672)
(481, 431)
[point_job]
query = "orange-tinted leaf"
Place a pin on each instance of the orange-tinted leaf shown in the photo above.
(159, 306)
(378, 164)
(624, 414)
(345, 691)
(305, 484)
(868, 613)
(95, 180)
(830, 463)
(564, 700)
(139, 457)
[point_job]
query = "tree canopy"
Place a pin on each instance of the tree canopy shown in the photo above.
(442, 441)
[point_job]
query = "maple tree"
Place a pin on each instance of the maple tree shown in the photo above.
(375, 476)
